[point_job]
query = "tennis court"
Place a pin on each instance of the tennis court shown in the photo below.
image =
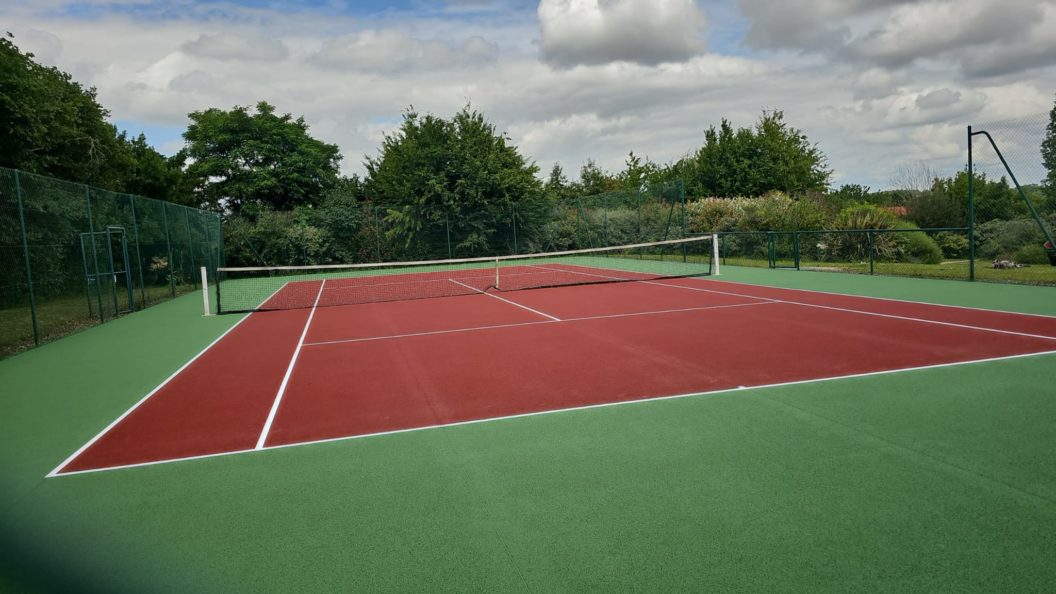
(341, 357)
(890, 434)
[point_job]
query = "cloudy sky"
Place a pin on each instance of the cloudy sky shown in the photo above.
(879, 84)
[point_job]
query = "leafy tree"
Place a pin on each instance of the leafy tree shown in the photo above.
(1048, 156)
(595, 180)
(557, 186)
(50, 124)
(848, 195)
(238, 158)
(638, 173)
(149, 173)
(753, 161)
(458, 176)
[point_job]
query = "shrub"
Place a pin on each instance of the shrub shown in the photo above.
(854, 247)
(1001, 239)
(953, 245)
(1031, 254)
(917, 247)
(773, 212)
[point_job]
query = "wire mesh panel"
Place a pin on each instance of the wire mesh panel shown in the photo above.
(92, 254)
(745, 248)
(1014, 201)
(17, 322)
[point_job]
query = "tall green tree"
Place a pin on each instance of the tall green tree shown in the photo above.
(1048, 158)
(238, 158)
(772, 155)
(50, 124)
(147, 172)
(457, 176)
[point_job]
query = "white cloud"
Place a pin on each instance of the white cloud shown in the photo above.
(227, 46)
(351, 78)
(391, 51)
(979, 38)
(599, 31)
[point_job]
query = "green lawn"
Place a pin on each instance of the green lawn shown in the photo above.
(62, 316)
(940, 479)
(953, 270)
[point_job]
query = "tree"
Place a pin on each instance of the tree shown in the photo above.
(147, 172)
(1048, 158)
(457, 177)
(50, 124)
(914, 177)
(239, 158)
(753, 161)
(595, 180)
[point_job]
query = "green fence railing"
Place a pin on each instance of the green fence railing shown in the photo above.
(74, 255)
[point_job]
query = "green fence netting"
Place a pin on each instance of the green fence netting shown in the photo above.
(74, 255)
(1013, 201)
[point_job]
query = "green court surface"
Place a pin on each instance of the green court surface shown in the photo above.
(926, 480)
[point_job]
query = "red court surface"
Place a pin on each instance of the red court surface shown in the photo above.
(287, 377)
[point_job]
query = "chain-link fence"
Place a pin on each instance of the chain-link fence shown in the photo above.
(74, 255)
(994, 220)
(357, 232)
(1013, 200)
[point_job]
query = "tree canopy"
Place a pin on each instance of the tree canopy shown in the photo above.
(753, 161)
(457, 176)
(239, 158)
(1048, 157)
(51, 125)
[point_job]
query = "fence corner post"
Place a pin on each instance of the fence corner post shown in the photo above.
(29, 267)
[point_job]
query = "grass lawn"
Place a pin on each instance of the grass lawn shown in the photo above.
(953, 270)
(61, 316)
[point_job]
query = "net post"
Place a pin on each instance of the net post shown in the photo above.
(205, 291)
(715, 265)
(496, 272)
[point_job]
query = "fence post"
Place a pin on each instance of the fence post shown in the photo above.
(139, 256)
(95, 255)
(869, 242)
(638, 209)
(168, 247)
(682, 202)
(377, 233)
(190, 245)
(513, 220)
(29, 268)
(795, 248)
(447, 229)
(971, 210)
(605, 226)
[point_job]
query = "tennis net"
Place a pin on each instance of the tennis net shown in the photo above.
(292, 287)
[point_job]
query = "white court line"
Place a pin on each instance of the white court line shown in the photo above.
(862, 312)
(535, 311)
(968, 307)
(289, 370)
(537, 323)
(829, 307)
(571, 409)
(165, 382)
